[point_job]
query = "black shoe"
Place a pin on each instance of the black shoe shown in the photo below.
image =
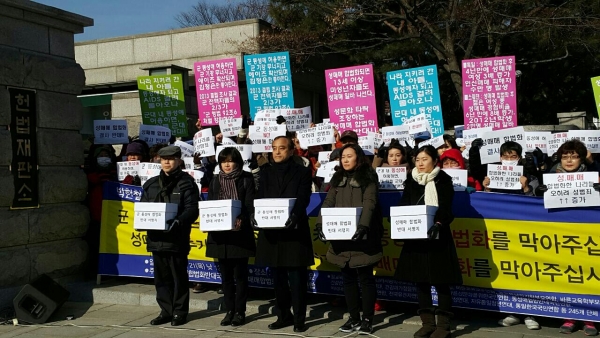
(161, 319)
(280, 324)
(366, 327)
(239, 319)
(178, 320)
(299, 328)
(350, 326)
(227, 320)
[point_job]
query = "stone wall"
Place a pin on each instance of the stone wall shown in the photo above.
(38, 53)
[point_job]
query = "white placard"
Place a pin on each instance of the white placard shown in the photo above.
(434, 142)
(127, 168)
(188, 163)
(230, 127)
(555, 141)
(297, 119)
(391, 178)
(322, 134)
(204, 143)
(458, 131)
(187, 150)
(244, 149)
(505, 177)
(266, 117)
(154, 134)
(227, 141)
(197, 176)
(459, 178)
(470, 134)
(262, 137)
(323, 157)
(148, 170)
(326, 121)
(367, 143)
(569, 190)
(537, 139)
(493, 140)
(340, 223)
(591, 139)
(326, 171)
(400, 133)
(110, 132)
(418, 125)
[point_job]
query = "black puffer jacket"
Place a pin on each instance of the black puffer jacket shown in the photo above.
(184, 192)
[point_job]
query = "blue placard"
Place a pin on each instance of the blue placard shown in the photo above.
(415, 91)
(269, 81)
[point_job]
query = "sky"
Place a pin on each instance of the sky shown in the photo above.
(113, 18)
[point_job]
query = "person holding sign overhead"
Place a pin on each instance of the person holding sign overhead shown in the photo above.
(392, 156)
(233, 248)
(355, 184)
(287, 252)
(433, 261)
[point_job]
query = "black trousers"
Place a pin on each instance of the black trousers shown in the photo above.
(290, 292)
(444, 296)
(351, 278)
(234, 277)
(172, 283)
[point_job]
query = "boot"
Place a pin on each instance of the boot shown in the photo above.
(443, 324)
(428, 319)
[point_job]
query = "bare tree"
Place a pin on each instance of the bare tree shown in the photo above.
(204, 13)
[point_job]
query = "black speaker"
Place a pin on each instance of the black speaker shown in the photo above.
(38, 300)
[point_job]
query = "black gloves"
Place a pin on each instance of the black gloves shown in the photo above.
(410, 151)
(291, 222)
(361, 232)
(382, 151)
(597, 186)
(320, 233)
(434, 231)
(477, 143)
(530, 165)
(539, 156)
(172, 223)
(542, 188)
(253, 164)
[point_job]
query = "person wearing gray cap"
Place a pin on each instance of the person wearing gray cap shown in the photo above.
(170, 248)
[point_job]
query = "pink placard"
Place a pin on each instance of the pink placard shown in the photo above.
(489, 93)
(217, 90)
(351, 99)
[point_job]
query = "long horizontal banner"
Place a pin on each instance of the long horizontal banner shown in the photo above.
(515, 255)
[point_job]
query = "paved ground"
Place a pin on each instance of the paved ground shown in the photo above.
(130, 319)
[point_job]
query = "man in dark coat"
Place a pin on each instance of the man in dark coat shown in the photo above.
(287, 252)
(170, 248)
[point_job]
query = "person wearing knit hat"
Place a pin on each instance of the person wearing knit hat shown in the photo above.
(452, 159)
(135, 151)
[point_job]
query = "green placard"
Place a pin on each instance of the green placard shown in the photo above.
(596, 87)
(163, 102)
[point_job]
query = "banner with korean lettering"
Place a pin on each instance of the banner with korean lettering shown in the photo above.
(416, 91)
(269, 81)
(489, 92)
(217, 90)
(515, 255)
(163, 102)
(351, 99)
(596, 89)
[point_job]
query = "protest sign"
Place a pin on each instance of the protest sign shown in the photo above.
(266, 117)
(323, 157)
(154, 134)
(326, 171)
(269, 81)
(458, 131)
(351, 99)
(596, 89)
(187, 150)
(148, 170)
(188, 163)
(418, 126)
(401, 133)
(591, 139)
(244, 149)
(568, 190)
(435, 142)
(127, 168)
(459, 178)
(489, 92)
(318, 135)
(537, 139)
(262, 137)
(163, 102)
(227, 141)
(493, 140)
(416, 91)
(110, 132)
(391, 178)
(230, 127)
(204, 143)
(555, 141)
(505, 177)
(472, 134)
(297, 119)
(197, 176)
(368, 143)
(217, 90)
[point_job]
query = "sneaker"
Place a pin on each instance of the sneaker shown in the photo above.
(531, 323)
(567, 327)
(366, 327)
(589, 329)
(350, 326)
(510, 320)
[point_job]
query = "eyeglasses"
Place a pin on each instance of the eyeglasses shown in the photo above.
(569, 157)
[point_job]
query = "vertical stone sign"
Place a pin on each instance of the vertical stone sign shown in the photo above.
(163, 102)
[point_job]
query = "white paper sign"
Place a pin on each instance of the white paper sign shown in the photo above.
(493, 140)
(188, 162)
(187, 150)
(204, 143)
(401, 133)
(110, 132)
(470, 134)
(297, 119)
(266, 117)
(148, 170)
(434, 142)
(459, 178)
(537, 139)
(227, 141)
(391, 178)
(323, 157)
(505, 177)
(322, 134)
(154, 134)
(458, 131)
(230, 127)
(197, 176)
(127, 168)
(326, 171)
(591, 139)
(244, 149)
(418, 125)
(570, 190)
(262, 137)
(556, 141)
